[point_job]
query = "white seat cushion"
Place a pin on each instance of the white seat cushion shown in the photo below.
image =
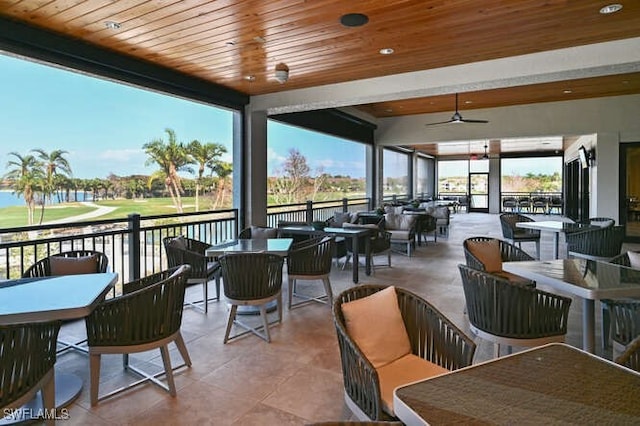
(409, 368)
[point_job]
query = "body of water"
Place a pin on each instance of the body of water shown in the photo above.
(8, 199)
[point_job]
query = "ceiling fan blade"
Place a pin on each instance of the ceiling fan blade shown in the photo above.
(465, 120)
(439, 122)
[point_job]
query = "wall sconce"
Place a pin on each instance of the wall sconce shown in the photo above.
(282, 73)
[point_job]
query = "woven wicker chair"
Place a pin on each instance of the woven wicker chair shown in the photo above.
(596, 244)
(623, 260)
(254, 232)
(630, 358)
(432, 336)
(512, 315)
(42, 268)
(379, 244)
(625, 323)
(187, 251)
(147, 316)
(508, 253)
(519, 235)
(253, 279)
(310, 260)
(27, 358)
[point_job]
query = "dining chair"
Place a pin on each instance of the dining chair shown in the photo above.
(389, 336)
(251, 279)
(70, 263)
(515, 235)
(603, 243)
(147, 316)
(181, 250)
(624, 323)
(255, 232)
(379, 244)
(27, 358)
(487, 254)
(310, 260)
(512, 315)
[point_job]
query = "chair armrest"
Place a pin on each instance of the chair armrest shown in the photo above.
(361, 382)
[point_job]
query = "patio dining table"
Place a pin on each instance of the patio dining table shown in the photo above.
(590, 280)
(354, 233)
(556, 226)
(551, 384)
(49, 298)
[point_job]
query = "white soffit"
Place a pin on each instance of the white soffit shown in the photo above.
(594, 60)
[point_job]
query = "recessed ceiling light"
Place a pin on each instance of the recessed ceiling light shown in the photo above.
(468, 102)
(566, 92)
(388, 110)
(250, 77)
(112, 25)
(354, 19)
(386, 51)
(611, 8)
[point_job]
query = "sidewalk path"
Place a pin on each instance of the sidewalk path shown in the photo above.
(99, 211)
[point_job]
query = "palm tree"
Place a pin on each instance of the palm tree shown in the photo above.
(204, 155)
(223, 169)
(171, 157)
(53, 164)
(25, 175)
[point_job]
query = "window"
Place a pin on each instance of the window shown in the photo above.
(307, 165)
(100, 128)
(396, 173)
(425, 173)
(453, 177)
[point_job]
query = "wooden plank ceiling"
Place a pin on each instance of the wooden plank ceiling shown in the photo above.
(239, 43)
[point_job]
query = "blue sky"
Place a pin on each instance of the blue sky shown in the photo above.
(103, 125)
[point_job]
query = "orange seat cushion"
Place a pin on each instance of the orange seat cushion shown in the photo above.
(408, 369)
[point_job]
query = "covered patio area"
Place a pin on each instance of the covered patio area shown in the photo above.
(296, 379)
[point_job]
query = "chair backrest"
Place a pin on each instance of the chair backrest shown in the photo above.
(27, 354)
(251, 276)
(42, 268)
(311, 257)
(508, 252)
(500, 308)
(256, 232)
(187, 251)
(149, 309)
(603, 243)
(508, 223)
(625, 320)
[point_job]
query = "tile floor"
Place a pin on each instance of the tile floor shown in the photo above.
(297, 378)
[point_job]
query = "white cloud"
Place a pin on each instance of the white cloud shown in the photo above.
(122, 155)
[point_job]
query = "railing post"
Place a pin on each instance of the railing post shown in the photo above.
(309, 215)
(134, 246)
(345, 205)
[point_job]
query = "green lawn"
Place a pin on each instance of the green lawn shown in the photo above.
(17, 215)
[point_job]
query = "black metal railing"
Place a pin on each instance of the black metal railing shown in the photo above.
(133, 244)
(314, 210)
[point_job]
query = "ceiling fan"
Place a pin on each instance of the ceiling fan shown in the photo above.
(457, 118)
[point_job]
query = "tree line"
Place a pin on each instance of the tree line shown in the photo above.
(39, 175)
